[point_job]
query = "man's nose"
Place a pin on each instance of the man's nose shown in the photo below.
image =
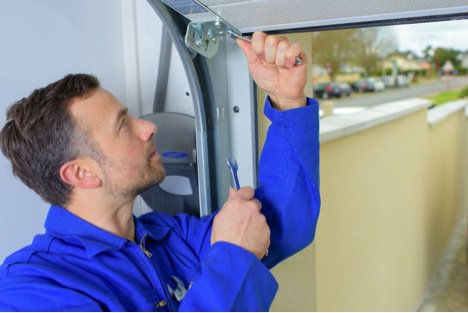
(148, 130)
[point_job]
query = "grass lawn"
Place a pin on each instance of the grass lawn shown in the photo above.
(445, 96)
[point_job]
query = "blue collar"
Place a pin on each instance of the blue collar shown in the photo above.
(63, 224)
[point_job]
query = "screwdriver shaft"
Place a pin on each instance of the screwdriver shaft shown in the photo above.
(234, 35)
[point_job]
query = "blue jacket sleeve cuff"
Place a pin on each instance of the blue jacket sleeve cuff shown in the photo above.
(296, 122)
(299, 128)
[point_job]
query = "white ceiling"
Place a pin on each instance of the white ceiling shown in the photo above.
(252, 15)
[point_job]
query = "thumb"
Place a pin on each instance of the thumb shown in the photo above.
(249, 53)
(232, 192)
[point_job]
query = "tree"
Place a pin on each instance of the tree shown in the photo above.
(441, 55)
(332, 48)
(428, 53)
(372, 46)
(365, 47)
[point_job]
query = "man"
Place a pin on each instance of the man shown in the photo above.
(75, 145)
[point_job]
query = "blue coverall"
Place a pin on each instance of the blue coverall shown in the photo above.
(76, 266)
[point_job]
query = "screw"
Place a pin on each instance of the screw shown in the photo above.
(236, 109)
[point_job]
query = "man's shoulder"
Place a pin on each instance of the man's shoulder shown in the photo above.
(184, 225)
(28, 281)
(165, 220)
(24, 256)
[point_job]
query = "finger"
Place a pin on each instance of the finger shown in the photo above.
(258, 44)
(248, 50)
(232, 192)
(256, 204)
(246, 193)
(271, 43)
(283, 46)
(294, 51)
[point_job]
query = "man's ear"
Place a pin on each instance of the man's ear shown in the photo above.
(79, 174)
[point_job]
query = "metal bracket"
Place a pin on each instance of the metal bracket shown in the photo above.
(205, 37)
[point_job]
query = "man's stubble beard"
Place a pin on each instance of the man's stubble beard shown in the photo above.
(152, 175)
(148, 178)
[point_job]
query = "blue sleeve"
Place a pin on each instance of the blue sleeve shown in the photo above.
(229, 277)
(288, 179)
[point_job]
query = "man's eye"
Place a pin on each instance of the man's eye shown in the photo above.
(124, 123)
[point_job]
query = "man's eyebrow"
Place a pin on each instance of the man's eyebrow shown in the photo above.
(122, 112)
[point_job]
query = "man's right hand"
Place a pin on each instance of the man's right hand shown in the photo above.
(240, 222)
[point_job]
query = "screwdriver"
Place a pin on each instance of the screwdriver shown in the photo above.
(235, 35)
(233, 167)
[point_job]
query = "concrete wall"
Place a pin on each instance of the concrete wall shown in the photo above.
(371, 204)
(446, 181)
(368, 242)
(465, 160)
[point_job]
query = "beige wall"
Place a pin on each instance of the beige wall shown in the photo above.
(297, 284)
(445, 184)
(369, 234)
(465, 162)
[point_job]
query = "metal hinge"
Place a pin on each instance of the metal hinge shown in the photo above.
(202, 37)
(205, 37)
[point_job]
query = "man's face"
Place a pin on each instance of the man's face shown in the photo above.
(126, 153)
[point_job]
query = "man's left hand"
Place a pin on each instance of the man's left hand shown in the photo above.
(272, 64)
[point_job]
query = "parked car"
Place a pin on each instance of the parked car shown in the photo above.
(389, 81)
(368, 84)
(377, 83)
(327, 90)
(402, 81)
(359, 85)
(346, 89)
(395, 81)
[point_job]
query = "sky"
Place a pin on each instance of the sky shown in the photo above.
(447, 34)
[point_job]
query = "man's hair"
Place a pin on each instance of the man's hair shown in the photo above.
(40, 135)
